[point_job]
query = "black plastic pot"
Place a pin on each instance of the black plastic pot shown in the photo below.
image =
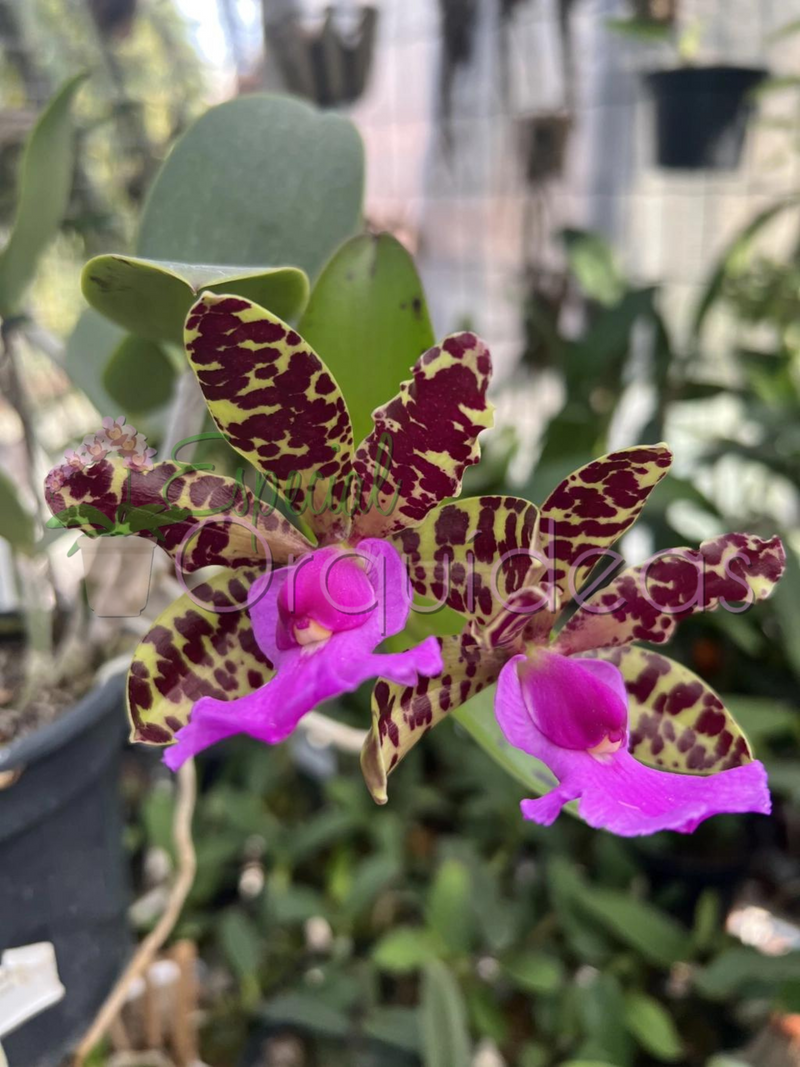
(63, 875)
(701, 115)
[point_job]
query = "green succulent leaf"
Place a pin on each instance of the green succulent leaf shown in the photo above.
(45, 184)
(140, 376)
(259, 179)
(151, 298)
(368, 320)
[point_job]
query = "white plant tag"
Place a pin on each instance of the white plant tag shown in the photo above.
(29, 983)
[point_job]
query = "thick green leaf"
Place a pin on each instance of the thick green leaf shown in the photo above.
(44, 188)
(258, 179)
(652, 1026)
(367, 319)
(16, 525)
(152, 298)
(478, 719)
(445, 1037)
(91, 350)
(139, 376)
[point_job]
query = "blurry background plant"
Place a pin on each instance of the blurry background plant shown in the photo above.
(440, 930)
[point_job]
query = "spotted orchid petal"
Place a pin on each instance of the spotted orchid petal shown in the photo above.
(527, 617)
(592, 508)
(677, 721)
(319, 622)
(647, 602)
(472, 555)
(201, 646)
(202, 518)
(402, 714)
(424, 439)
(556, 708)
(276, 403)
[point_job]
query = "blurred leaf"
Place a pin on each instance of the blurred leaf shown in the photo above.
(533, 1055)
(151, 298)
(16, 524)
(45, 184)
(158, 808)
(305, 1012)
(478, 719)
(652, 1026)
(591, 259)
(601, 1007)
(448, 909)
(486, 1014)
(658, 937)
(707, 925)
(535, 972)
(787, 30)
(257, 180)
(763, 718)
(777, 84)
(368, 320)
(784, 777)
(90, 348)
(733, 259)
(445, 1037)
(369, 878)
(404, 949)
(139, 376)
(321, 832)
(737, 968)
(647, 31)
(641, 926)
(292, 904)
(241, 942)
(786, 602)
(394, 1026)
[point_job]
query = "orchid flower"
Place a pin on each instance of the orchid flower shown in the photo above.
(254, 648)
(611, 720)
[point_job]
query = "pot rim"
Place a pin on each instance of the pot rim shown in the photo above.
(693, 69)
(68, 725)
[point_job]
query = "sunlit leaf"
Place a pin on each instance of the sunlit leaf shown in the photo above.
(257, 180)
(368, 320)
(152, 298)
(45, 184)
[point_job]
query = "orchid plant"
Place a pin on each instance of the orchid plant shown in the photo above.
(296, 615)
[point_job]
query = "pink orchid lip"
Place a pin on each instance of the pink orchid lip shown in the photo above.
(328, 592)
(537, 705)
(573, 707)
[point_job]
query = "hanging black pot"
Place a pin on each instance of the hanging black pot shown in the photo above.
(62, 864)
(701, 115)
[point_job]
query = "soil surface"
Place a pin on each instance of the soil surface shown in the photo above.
(46, 704)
